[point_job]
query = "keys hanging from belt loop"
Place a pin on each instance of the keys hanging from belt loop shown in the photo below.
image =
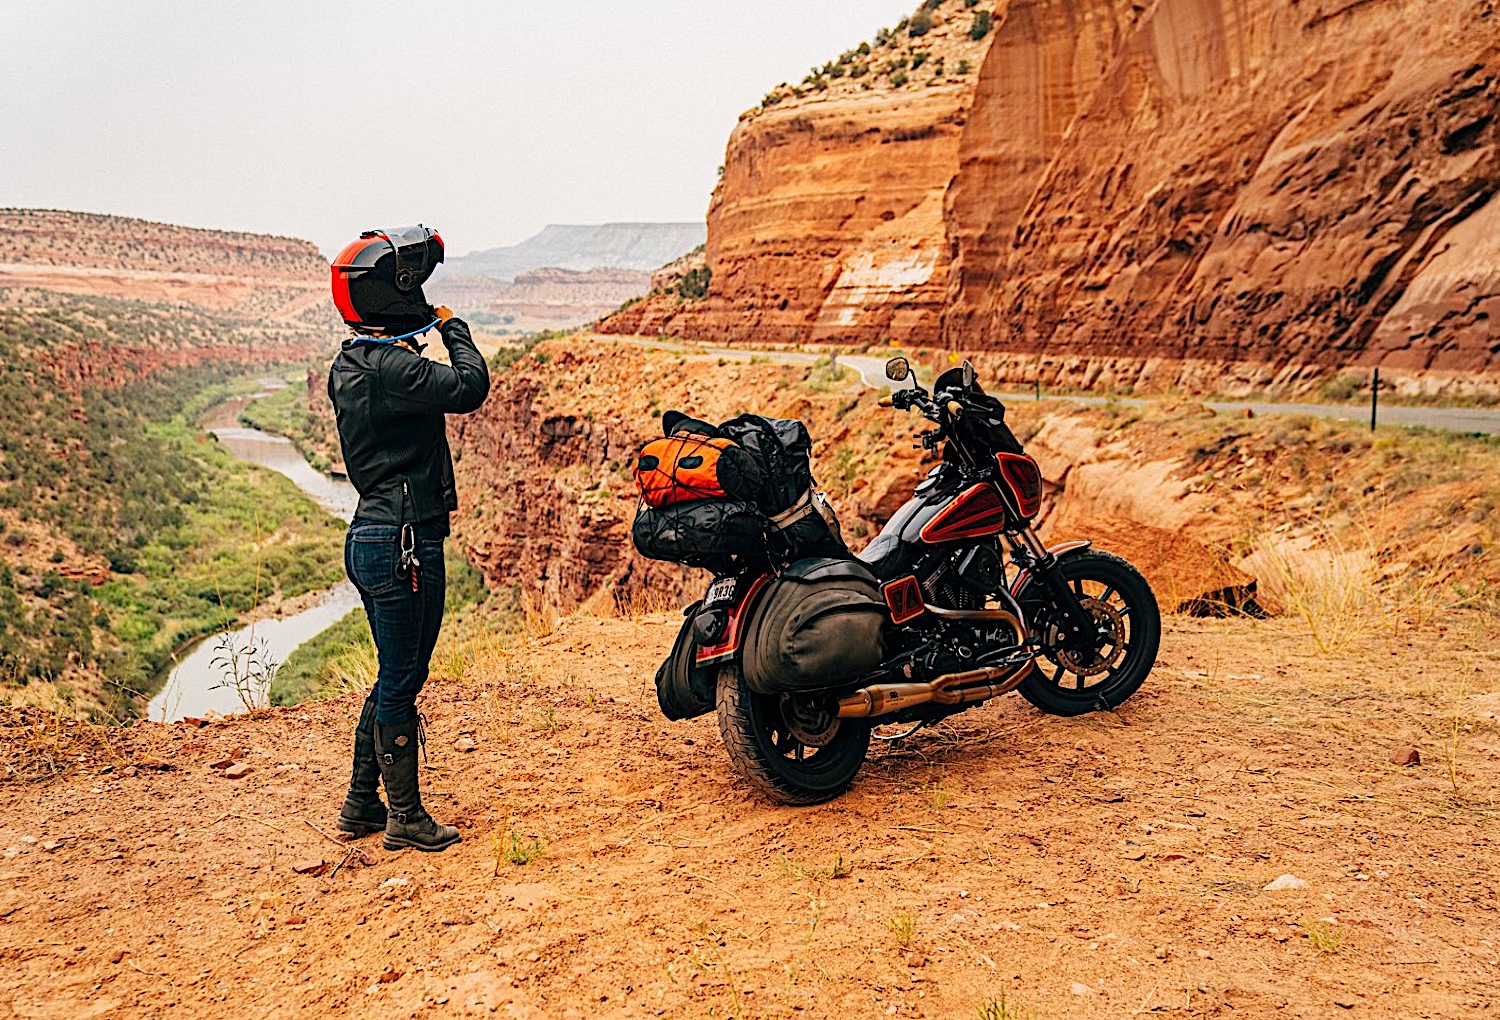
(410, 565)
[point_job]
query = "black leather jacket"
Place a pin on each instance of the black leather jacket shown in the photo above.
(390, 404)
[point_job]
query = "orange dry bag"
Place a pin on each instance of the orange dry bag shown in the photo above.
(679, 468)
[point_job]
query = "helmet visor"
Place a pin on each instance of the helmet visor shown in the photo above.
(418, 251)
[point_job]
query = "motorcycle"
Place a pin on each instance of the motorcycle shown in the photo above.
(1071, 628)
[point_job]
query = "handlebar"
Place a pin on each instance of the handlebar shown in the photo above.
(931, 409)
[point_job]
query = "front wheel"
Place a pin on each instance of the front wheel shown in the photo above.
(1067, 681)
(791, 748)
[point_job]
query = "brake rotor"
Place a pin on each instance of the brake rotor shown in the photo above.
(809, 719)
(1106, 616)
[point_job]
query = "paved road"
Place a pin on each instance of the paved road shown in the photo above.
(1457, 419)
(871, 370)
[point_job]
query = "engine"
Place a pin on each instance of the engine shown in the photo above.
(968, 580)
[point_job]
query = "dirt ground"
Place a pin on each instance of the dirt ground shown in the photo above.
(1006, 864)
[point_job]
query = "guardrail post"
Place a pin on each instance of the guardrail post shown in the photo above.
(1374, 397)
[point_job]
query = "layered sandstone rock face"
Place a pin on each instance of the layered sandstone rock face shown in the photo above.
(1192, 191)
(1206, 194)
(130, 298)
(250, 277)
(828, 222)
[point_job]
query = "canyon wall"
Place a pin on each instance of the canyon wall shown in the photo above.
(1187, 191)
(1141, 194)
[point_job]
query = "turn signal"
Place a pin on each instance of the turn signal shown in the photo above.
(955, 409)
(887, 401)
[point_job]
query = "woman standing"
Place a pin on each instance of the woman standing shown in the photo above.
(391, 404)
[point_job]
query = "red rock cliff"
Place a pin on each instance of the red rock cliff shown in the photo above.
(828, 222)
(1145, 193)
(1273, 188)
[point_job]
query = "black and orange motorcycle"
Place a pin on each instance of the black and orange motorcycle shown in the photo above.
(957, 601)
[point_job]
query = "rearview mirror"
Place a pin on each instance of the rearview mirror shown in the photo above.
(968, 374)
(897, 369)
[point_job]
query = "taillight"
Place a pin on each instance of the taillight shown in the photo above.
(1024, 479)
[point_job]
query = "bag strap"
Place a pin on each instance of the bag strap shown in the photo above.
(794, 513)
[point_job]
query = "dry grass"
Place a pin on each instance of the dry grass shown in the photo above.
(1334, 581)
(637, 604)
(538, 616)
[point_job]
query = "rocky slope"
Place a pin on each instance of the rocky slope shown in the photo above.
(1210, 507)
(1262, 188)
(249, 277)
(1207, 194)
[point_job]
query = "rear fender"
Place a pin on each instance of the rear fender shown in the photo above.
(1061, 550)
(734, 631)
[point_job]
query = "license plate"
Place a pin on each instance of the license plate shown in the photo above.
(720, 591)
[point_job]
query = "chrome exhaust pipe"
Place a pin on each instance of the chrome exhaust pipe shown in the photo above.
(949, 689)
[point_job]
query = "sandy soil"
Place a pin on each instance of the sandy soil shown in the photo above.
(1106, 866)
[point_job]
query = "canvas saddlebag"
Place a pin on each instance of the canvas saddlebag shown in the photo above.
(685, 690)
(819, 626)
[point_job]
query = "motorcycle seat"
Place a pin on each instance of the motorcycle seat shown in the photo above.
(885, 556)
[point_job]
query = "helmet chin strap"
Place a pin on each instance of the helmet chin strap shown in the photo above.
(398, 339)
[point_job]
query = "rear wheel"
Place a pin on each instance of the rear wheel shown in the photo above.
(791, 748)
(1071, 682)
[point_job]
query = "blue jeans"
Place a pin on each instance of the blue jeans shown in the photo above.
(404, 623)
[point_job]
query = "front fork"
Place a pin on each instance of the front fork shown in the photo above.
(1080, 629)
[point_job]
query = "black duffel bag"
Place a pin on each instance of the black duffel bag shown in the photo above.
(685, 690)
(819, 626)
(700, 533)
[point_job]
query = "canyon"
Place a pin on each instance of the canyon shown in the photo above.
(1202, 195)
(127, 533)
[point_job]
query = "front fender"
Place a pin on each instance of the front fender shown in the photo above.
(1061, 550)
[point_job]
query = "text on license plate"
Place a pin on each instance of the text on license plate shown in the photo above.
(720, 591)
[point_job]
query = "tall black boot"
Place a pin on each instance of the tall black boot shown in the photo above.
(407, 824)
(363, 813)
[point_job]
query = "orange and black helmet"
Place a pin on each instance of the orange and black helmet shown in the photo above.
(377, 278)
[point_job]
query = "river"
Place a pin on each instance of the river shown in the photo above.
(193, 685)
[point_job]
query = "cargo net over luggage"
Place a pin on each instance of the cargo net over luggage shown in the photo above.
(712, 495)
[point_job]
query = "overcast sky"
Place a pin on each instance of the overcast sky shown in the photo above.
(318, 119)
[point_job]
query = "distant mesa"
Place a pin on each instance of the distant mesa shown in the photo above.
(564, 276)
(640, 246)
(253, 278)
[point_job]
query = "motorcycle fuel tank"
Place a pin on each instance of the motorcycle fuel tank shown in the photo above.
(887, 553)
(977, 512)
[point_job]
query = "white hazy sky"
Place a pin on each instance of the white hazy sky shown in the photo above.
(319, 119)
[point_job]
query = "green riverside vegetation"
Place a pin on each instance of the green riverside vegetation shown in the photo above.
(127, 532)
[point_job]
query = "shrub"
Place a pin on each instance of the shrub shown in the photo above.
(981, 27)
(921, 24)
(882, 37)
(918, 59)
(859, 70)
(898, 79)
(963, 67)
(694, 283)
